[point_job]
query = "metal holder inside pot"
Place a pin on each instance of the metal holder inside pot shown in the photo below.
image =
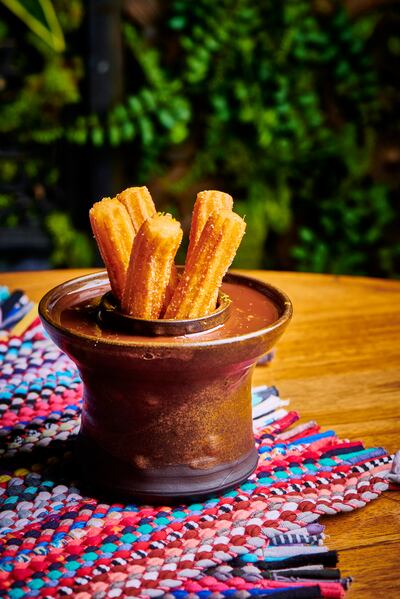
(110, 315)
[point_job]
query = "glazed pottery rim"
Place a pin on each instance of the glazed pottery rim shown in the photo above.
(283, 304)
(109, 314)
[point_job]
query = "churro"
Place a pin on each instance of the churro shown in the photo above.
(150, 266)
(139, 204)
(114, 235)
(206, 203)
(172, 285)
(197, 291)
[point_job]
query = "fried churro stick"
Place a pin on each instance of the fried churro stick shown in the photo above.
(206, 203)
(197, 291)
(150, 266)
(172, 285)
(139, 204)
(114, 235)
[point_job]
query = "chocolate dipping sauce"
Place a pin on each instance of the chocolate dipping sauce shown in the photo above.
(250, 312)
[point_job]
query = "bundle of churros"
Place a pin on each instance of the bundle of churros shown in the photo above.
(138, 246)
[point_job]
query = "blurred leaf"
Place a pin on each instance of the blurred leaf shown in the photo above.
(41, 18)
(70, 247)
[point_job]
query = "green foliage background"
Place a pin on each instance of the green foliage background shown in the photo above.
(280, 103)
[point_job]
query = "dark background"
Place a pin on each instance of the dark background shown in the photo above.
(292, 107)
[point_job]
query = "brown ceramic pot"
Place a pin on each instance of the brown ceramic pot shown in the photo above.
(164, 417)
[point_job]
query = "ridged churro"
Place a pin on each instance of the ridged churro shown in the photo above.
(114, 235)
(139, 204)
(206, 203)
(150, 266)
(197, 291)
(172, 285)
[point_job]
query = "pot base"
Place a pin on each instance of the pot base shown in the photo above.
(112, 476)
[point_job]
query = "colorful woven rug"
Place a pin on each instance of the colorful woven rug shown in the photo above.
(262, 539)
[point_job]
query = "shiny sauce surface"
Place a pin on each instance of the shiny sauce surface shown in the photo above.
(251, 311)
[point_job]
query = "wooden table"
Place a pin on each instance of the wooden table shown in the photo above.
(338, 363)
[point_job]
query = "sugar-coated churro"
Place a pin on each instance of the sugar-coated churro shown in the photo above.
(150, 266)
(197, 290)
(139, 204)
(172, 285)
(114, 235)
(206, 203)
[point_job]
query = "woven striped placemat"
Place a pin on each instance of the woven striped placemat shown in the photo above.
(261, 539)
